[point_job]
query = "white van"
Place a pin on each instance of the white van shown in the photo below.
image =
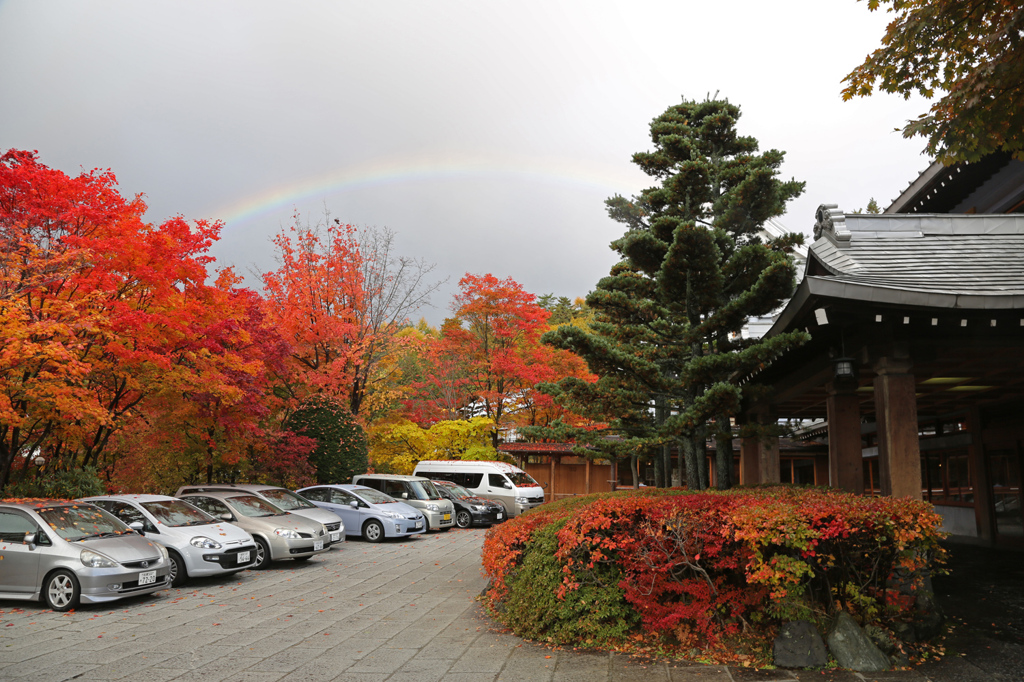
(498, 481)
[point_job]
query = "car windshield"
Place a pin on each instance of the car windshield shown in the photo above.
(286, 499)
(521, 479)
(424, 490)
(250, 505)
(373, 496)
(78, 522)
(458, 491)
(175, 513)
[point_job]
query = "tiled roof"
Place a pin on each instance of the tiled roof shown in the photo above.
(958, 255)
(536, 447)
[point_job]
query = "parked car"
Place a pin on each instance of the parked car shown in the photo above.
(69, 553)
(470, 509)
(367, 512)
(416, 492)
(498, 481)
(198, 544)
(278, 534)
(279, 497)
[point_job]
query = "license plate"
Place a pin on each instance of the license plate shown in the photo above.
(147, 578)
(318, 545)
(419, 524)
(243, 557)
(335, 537)
(447, 517)
(499, 515)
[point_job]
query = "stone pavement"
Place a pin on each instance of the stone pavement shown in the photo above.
(399, 611)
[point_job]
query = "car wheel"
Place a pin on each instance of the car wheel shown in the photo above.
(177, 575)
(62, 591)
(463, 519)
(373, 531)
(262, 553)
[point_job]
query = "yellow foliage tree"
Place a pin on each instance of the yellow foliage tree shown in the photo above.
(397, 447)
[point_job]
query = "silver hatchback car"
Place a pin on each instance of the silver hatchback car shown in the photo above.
(70, 552)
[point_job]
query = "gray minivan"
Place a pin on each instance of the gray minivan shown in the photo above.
(416, 492)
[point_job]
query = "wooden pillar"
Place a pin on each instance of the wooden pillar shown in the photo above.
(846, 463)
(979, 477)
(899, 454)
(821, 471)
(552, 478)
(769, 460)
(750, 461)
(588, 476)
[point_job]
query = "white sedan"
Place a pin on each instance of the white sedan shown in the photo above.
(198, 544)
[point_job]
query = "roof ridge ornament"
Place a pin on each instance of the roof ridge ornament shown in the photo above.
(829, 219)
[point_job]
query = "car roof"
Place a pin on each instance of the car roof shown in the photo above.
(503, 467)
(393, 477)
(130, 498)
(218, 494)
(34, 503)
(246, 487)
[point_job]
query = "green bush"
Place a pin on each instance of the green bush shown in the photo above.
(59, 485)
(596, 614)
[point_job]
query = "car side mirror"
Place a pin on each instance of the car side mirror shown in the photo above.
(30, 540)
(138, 527)
(506, 485)
(227, 517)
(405, 496)
(354, 504)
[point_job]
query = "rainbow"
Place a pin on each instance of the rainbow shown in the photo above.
(607, 180)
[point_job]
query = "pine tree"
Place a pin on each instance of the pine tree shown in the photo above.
(693, 270)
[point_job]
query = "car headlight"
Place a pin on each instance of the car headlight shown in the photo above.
(203, 542)
(392, 515)
(287, 533)
(433, 507)
(96, 560)
(477, 507)
(163, 551)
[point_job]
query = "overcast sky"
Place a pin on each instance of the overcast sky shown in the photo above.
(485, 134)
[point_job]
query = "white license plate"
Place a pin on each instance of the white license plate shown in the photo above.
(447, 517)
(147, 578)
(243, 557)
(499, 515)
(335, 537)
(419, 524)
(318, 545)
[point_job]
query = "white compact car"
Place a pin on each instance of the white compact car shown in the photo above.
(198, 544)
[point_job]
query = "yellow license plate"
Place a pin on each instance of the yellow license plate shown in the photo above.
(447, 517)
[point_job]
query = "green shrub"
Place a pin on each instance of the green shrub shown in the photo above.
(595, 614)
(59, 485)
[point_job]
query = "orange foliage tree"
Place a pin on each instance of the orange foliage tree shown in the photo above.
(488, 358)
(98, 311)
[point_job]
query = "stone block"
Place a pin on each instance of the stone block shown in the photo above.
(799, 646)
(852, 648)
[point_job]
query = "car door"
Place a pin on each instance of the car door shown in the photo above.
(19, 573)
(500, 489)
(341, 504)
(129, 514)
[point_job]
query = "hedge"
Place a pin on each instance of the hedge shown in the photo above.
(706, 571)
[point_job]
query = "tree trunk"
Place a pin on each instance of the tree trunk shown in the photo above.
(690, 455)
(723, 453)
(700, 450)
(634, 468)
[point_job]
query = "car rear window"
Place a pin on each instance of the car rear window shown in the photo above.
(252, 506)
(286, 499)
(175, 513)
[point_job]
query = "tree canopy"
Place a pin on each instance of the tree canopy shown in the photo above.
(970, 50)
